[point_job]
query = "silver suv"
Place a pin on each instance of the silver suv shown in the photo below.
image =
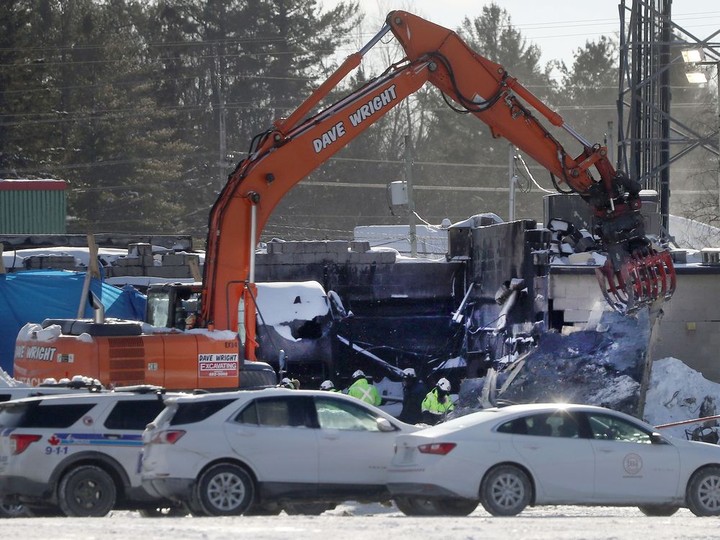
(77, 454)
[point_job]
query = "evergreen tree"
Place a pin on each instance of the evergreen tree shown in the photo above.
(589, 89)
(125, 99)
(237, 66)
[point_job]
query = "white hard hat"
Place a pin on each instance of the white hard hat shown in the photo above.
(444, 385)
(409, 372)
(327, 385)
(359, 373)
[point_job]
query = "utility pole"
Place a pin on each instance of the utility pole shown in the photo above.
(222, 133)
(512, 178)
(411, 200)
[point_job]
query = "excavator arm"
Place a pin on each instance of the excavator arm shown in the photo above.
(634, 275)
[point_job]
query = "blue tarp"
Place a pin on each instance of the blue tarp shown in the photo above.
(35, 295)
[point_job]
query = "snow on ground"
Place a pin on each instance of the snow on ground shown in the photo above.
(362, 522)
(677, 392)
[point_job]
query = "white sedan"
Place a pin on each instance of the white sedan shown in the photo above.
(509, 458)
(261, 451)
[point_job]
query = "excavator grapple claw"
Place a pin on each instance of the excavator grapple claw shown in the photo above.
(641, 280)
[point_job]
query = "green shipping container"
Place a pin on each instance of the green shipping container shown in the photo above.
(32, 206)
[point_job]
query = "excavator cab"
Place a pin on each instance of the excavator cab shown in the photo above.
(173, 305)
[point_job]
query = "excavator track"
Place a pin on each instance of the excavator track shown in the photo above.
(641, 281)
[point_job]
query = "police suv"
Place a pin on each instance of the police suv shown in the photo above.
(78, 384)
(77, 454)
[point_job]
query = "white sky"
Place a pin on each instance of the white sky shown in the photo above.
(558, 27)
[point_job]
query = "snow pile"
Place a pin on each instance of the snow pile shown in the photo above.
(36, 331)
(282, 303)
(677, 392)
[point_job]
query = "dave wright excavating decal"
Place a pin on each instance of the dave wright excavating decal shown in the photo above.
(362, 113)
(218, 365)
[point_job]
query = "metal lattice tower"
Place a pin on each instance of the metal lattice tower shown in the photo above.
(650, 43)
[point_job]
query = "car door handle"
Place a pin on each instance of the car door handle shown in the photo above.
(331, 437)
(112, 436)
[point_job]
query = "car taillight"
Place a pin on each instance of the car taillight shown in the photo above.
(21, 442)
(168, 437)
(437, 448)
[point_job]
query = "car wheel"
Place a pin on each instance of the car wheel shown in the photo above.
(8, 510)
(703, 492)
(455, 507)
(505, 491)
(225, 490)
(416, 506)
(307, 509)
(658, 510)
(87, 491)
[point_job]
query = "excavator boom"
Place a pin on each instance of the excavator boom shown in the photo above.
(635, 274)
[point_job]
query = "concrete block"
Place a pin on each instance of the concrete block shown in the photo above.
(179, 259)
(128, 271)
(271, 259)
(140, 249)
(304, 258)
(124, 262)
(275, 247)
(359, 246)
(56, 262)
(169, 271)
(338, 246)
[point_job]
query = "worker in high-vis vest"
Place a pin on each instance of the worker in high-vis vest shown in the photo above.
(363, 389)
(437, 403)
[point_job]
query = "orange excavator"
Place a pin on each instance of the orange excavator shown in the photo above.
(635, 274)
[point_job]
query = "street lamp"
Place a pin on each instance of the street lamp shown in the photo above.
(696, 57)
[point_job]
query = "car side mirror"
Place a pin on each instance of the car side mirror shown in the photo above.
(384, 424)
(656, 438)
